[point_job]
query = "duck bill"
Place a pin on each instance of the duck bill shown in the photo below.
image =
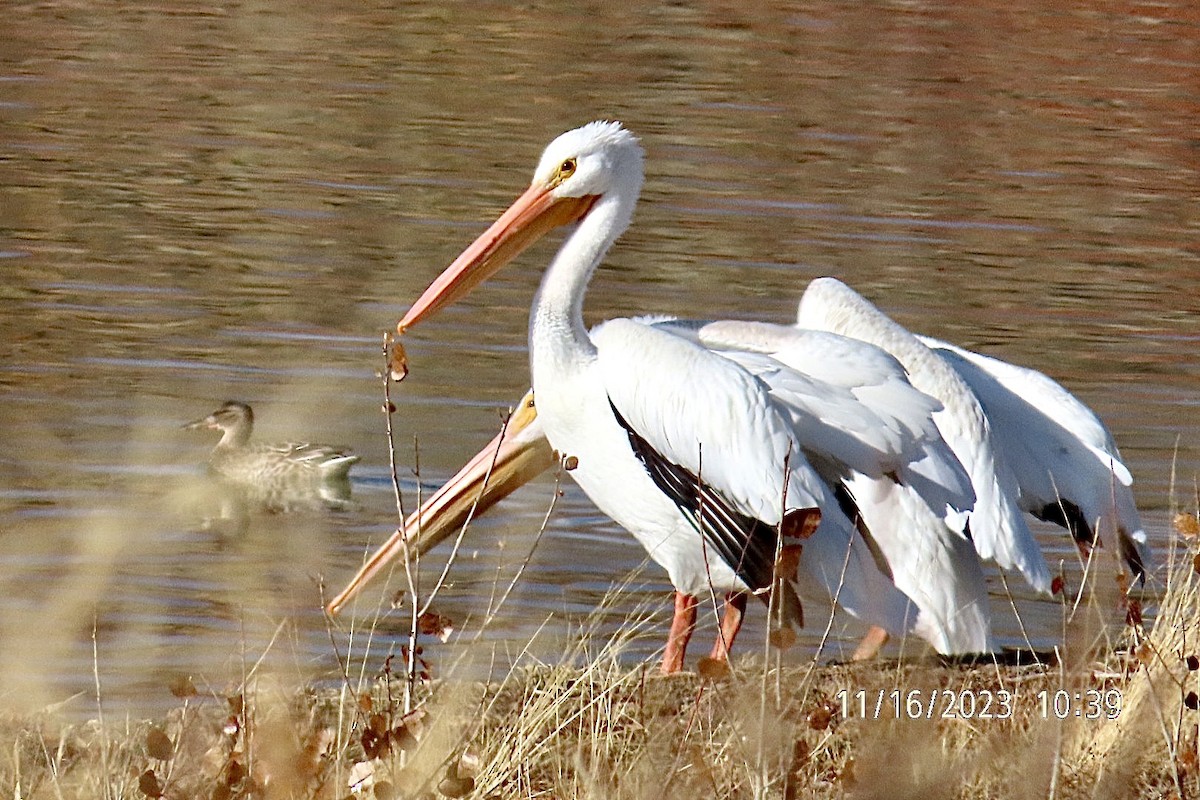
(509, 461)
(534, 213)
(197, 424)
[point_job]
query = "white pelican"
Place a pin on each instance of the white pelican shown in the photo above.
(1027, 443)
(670, 439)
(863, 427)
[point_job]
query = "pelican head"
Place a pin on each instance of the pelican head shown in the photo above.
(591, 161)
(589, 167)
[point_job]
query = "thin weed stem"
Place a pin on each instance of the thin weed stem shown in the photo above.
(106, 777)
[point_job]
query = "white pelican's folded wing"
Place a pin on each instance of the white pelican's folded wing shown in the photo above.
(997, 526)
(1067, 465)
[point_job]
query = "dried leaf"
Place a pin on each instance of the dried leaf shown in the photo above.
(158, 744)
(365, 702)
(782, 638)
(800, 523)
(712, 669)
(433, 624)
(182, 687)
(398, 362)
(1193, 663)
(1122, 579)
(1133, 614)
(1188, 759)
(149, 785)
(414, 722)
(1191, 701)
(788, 562)
(402, 738)
(570, 463)
(1196, 562)
(1058, 585)
(234, 772)
(374, 745)
(237, 704)
(454, 787)
(800, 753)
(469, 763)
(1187, 525)
(1145, 655)
(317, 746)
(362, 776)
(821, 716)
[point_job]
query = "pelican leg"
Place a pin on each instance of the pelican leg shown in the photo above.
(871, 644)
(731, 623)
(682, 625)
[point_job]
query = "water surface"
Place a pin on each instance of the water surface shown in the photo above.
(209, 203)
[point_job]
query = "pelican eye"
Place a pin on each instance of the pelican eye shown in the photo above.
(566, 169)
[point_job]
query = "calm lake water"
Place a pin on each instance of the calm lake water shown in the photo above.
(201, 203)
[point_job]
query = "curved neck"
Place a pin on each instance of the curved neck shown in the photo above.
(558, 340)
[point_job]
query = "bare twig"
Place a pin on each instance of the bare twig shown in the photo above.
(708, 581)
(100, 706)
(412, 575)
(1012, 602)
(774, 609)
(836, 596)
(491, 615)
(487, 477)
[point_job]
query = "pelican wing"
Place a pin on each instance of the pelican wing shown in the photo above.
(707, 415)
(851, 402)
(998, 529)
(1067, 466)
(1012, 389)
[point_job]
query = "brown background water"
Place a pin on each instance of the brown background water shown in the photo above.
(202, 202)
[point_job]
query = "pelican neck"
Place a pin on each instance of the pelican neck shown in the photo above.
(558, 339)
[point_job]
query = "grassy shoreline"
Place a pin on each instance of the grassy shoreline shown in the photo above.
(592, 726)
(604, 729)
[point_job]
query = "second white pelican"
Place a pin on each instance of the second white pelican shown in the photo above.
(1028, 444)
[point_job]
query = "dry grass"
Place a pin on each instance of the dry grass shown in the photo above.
(591, 726)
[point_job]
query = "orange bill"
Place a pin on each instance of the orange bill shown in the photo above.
(534, 213)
